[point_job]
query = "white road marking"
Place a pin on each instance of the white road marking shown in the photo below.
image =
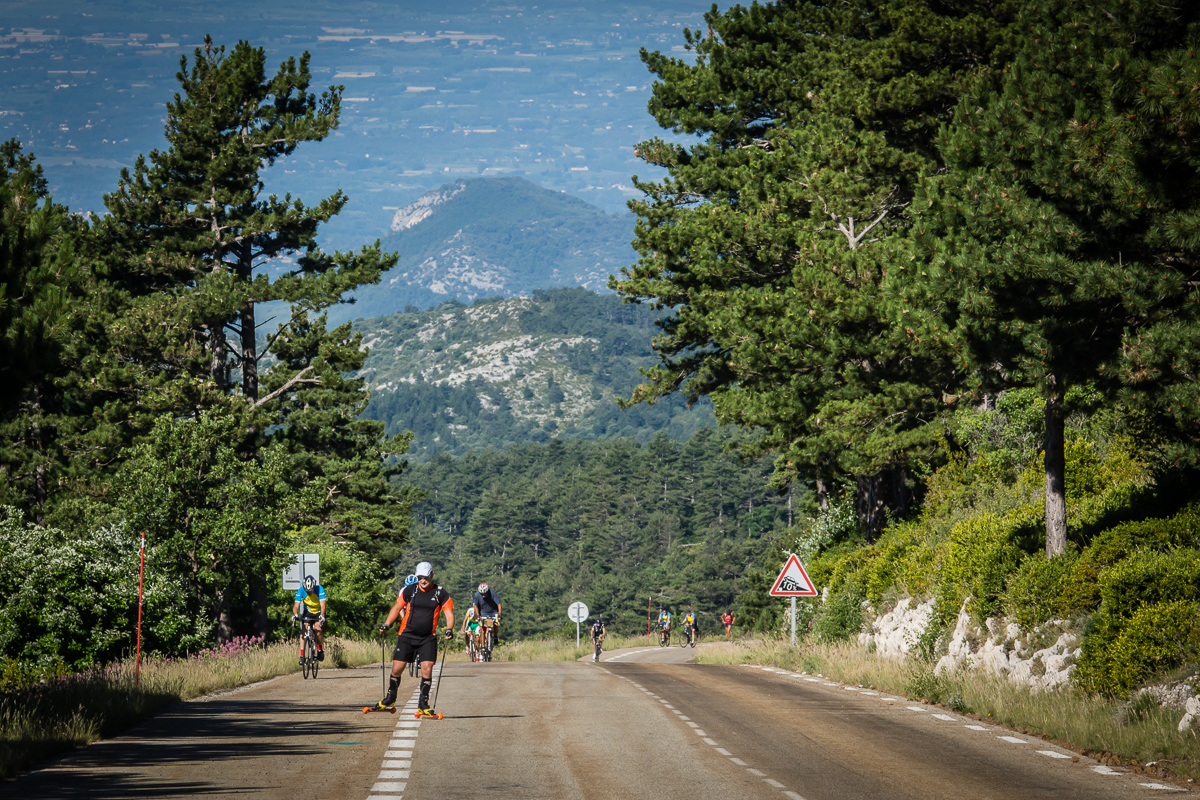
(773, 782)
(1105, 770)
(394, 773)
(398, 754)
(403, 733)
(709, 741)
(409, 723)
(851, 688)
(1012, 740)
(890, 699)
(915, 708)
(945, 717)
(386, 797)
(723, 751)
(397, 764)
(699, 732)
(756, 772)
(813, 680)
(871, 694)
(690, 724)
(388, 786)
(1053, 754)
(792, 796)
(1162, 786)
(976, 727)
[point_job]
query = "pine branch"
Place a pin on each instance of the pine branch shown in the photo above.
(295, 379)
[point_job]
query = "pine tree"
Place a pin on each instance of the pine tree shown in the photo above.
(1060, 249)
(769, 240)
(38, 276)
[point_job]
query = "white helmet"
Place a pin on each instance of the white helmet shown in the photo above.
(482, 588)
(424, 570)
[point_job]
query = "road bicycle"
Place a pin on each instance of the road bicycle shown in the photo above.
(487, 636)
(308, 650)
(596, 656)
(664, 637)
(689, 636)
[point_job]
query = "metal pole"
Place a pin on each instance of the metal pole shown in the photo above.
(793, 622)
(577, 633)
(137, 669)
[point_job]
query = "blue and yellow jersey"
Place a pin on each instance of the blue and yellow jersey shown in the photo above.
(665, 616)
(311, 601)
(689, 620)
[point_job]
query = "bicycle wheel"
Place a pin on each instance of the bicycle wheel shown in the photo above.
(306, 656)
(312, 649)
(597, 656)
(683, 642)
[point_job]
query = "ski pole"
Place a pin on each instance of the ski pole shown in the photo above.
(438, 685)
(382, 654)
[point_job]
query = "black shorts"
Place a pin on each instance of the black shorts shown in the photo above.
(408, 647)
(308, 616)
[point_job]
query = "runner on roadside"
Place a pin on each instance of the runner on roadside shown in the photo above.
(420, 603)
(727, 621)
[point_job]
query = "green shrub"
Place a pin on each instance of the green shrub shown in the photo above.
(841, 617)
(1146, 577)
(1158, 637)
(1118, 542)
(1037, 591)
(981, 553)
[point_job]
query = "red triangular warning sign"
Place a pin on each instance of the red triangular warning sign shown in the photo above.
(793, 581)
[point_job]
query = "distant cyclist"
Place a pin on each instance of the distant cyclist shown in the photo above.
(598, 637)
(470, 629)
(420, 604)
(487, 606)
(727, 621)
(664, 625)
(689, 626)
(309, 608)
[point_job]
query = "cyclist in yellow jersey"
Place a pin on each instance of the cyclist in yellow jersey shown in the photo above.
(312, 597)
(470, 627)
(689, 624)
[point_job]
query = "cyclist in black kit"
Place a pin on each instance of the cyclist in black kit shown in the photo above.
(420, 603)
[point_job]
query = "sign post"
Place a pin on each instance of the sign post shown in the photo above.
(793, 582)
(577, 613)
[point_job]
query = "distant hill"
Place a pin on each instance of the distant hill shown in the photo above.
(519, 370)
(494, 237)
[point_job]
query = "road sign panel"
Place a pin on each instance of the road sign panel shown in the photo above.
(793, 581)
(301, 564)
(577, 612)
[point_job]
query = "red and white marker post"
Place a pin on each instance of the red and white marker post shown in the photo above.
(137, 668)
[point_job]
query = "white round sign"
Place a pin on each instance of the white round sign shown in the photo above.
(578, 612)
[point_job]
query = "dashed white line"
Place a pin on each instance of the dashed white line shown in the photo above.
(977, 727)
(945, 717)
(1162, 786)
(916, 708)
(1053, 754)
(723, 751)
(773, 782)
(792, 796)
(1012, 740)
(756, 772)
(709, 741)
(699, 732)
(1105, 770)
(738, 761)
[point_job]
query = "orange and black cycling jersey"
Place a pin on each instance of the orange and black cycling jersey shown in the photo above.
(421, 609)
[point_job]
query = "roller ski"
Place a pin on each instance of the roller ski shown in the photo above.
(427, 713)
(378, 707)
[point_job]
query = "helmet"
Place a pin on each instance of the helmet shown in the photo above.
(424, 570)
(310, 584)
(410, 580)
(482, 587)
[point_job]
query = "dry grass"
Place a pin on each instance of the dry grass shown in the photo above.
(1110, 731)
(52, 717)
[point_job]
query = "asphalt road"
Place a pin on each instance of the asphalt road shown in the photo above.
(645, 723)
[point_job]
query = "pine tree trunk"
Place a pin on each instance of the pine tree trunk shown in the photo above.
(218, 346)
(258, 613)
(822, 495)
(870, 504)
(224, 628)
(1056, 498)
(249, 342)
(39, 471)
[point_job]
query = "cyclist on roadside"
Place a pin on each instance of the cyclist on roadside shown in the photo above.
(420, 603)
(598, 636)
(664, 625)
(727, 621)
(487, 606)
(309, 608)
(470, 628)
(689, 625)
